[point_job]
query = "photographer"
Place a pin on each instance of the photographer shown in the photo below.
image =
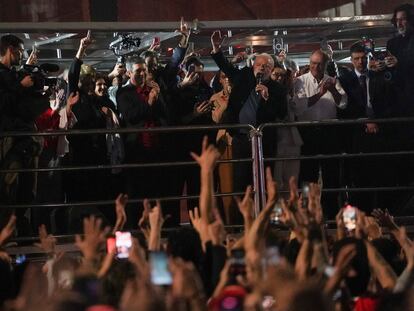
(400, 64)
(20, 104)
(401, 56)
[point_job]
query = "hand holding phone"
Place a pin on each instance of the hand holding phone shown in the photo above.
(123, 244)
(349, 217)
(160, 274)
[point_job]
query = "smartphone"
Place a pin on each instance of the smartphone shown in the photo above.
(380, 55)
(160, 275)
(123, 244)
(157, 40)
(349, 217)
(237, 265)
(272, 256)
(191, 68)
(20, 259)
(305, 195)
(276, 214)
(89, 34)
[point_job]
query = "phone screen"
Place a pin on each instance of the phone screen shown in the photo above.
(123, 244)
(276, 214)
(237, 265)
(305, 195)
(160, 275)
(349, 217)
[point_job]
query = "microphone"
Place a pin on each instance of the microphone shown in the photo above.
(259, 80)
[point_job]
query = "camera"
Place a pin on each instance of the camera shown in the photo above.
(39, 75)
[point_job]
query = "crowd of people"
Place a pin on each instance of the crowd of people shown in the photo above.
(204, 268)
(142, 93)
(284, 259)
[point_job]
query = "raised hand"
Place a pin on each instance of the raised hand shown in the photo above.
(384, 219)
(47, 241)
(189, 79)
(84, 44)
(216, 229)
(185, 32)
(216, 40)
(156, 219)
(271, 188)
(203, 108)
(155, 45)
(155, 91)
(200, 225)
(94, 237)
(208, 157)
(32, 60)
(246, 205)
(71, 101)
(121, 218)
(8, 229)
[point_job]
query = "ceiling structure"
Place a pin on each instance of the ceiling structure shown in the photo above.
(58, 42)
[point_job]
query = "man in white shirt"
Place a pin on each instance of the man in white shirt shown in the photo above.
(318, 97)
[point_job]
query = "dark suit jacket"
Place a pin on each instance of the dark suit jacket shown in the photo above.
(403, 74)
(380, 93)
(134, 113)
(244, 82)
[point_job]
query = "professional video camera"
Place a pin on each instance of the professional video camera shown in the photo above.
(40, 75)
(377, 55)
(125, 43)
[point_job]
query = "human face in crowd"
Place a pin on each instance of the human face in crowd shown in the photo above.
(359, 61)
(279, 75)
(264, 65)
(152, 63)
(317, 65)
(401, 22)
(16, 55)
(225, 83)
(138, 74)
(100, 87)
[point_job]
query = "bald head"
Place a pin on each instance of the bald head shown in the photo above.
(317, 63)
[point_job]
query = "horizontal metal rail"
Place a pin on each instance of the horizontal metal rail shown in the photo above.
(161, 129)
(118, 166)
(213, 25)
(177, 198)
(109, 202)
(336, 122)
(341, 156)
(169, 129)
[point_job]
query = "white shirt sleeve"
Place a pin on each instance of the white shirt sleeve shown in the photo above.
(65, 122)
(300, 99)
(344, 99)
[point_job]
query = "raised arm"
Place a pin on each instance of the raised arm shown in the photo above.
(75, 67)
(218, 56)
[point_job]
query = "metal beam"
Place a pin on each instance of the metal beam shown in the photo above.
(239, 24)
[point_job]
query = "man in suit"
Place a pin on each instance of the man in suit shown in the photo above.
(255, 99)
(370, 95)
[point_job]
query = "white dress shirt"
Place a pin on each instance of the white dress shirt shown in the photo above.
(307, 86)
(358, 74)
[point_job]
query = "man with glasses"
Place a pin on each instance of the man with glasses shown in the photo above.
(317, 97)
(255, 99)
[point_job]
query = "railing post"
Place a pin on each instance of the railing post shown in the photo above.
(255, 137)
(260, 159)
